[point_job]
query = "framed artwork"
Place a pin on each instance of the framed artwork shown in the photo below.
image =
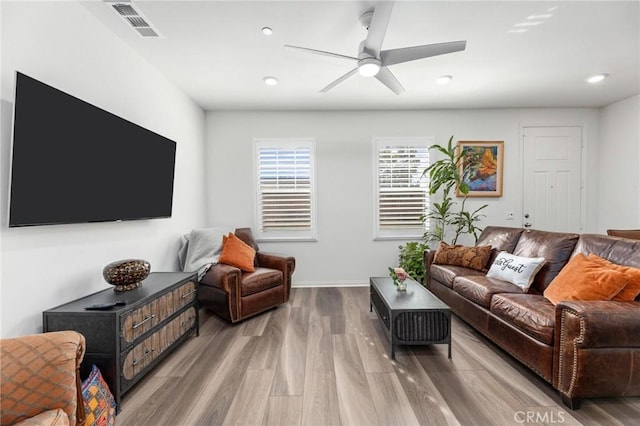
(481, 165)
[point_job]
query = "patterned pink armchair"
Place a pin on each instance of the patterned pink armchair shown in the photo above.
(40, 379)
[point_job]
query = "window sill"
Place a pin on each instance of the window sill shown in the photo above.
(286, 239)
(398, 238)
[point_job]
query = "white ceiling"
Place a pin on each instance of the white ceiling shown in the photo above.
(216, 53)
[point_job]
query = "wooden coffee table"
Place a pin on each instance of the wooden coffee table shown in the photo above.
(411, 317)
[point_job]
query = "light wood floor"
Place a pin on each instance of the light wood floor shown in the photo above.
(322, 359)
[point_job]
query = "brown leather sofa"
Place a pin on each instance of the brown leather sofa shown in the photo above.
(584, 349)
(235, 295)
(40, 381)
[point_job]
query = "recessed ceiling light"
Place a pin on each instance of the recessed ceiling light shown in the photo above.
(518, 30)
(597, 78)
(527, 24)
(267, 31)
(444, 79)
(540, 16)
(270, 81)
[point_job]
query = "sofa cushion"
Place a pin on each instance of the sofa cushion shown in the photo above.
(55, 417)
(445, 274)
(500, 238)
(617, 250)
(555, 247)
(246, 235)
(517, 270)
(632, 289)
(99, 404)
(259, 280)
(531, 313)
(468, 257)
(583, 279)
(480, 289)
(236, 252)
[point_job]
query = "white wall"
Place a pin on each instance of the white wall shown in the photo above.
(345, 252)
(619, 165)
(62, 44)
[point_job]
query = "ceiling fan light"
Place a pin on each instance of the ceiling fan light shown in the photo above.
(368, 67)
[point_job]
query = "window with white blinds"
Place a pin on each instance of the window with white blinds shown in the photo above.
(285, 205)
(402, 194)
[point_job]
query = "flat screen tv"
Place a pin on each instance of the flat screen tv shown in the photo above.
(73, 162)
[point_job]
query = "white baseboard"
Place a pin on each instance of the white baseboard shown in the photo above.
(309, 284)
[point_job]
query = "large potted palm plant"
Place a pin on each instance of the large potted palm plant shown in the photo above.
(446, 174)
(449, 217)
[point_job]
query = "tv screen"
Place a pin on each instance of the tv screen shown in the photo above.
(73, 162)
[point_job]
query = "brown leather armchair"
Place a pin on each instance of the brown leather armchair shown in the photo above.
(235, 295)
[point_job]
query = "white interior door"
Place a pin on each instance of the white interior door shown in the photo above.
(552, 167)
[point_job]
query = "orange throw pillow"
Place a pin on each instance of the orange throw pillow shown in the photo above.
(236, 252)
(583, 279)
(632, 289)
(468, 257)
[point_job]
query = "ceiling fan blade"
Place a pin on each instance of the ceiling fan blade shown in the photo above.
(386, 77)
(406, 54)
(321, 52)
(378, 27)
(339, 80)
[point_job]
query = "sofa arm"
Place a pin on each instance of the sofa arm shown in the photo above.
(277, 261)
(286, 264)
(597, 348)
(220, 290)
(427, 256)
(224, 277)
(603, 324)
(41, 373)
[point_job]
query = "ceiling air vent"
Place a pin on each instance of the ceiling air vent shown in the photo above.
(133, 17)
(124, 9)
(137, 22)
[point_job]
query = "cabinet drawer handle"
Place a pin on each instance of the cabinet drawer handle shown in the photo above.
(146, 354)
(143, 321)
(187, 322)
(188, 294)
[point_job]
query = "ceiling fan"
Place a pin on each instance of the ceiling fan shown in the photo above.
(374, 62)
